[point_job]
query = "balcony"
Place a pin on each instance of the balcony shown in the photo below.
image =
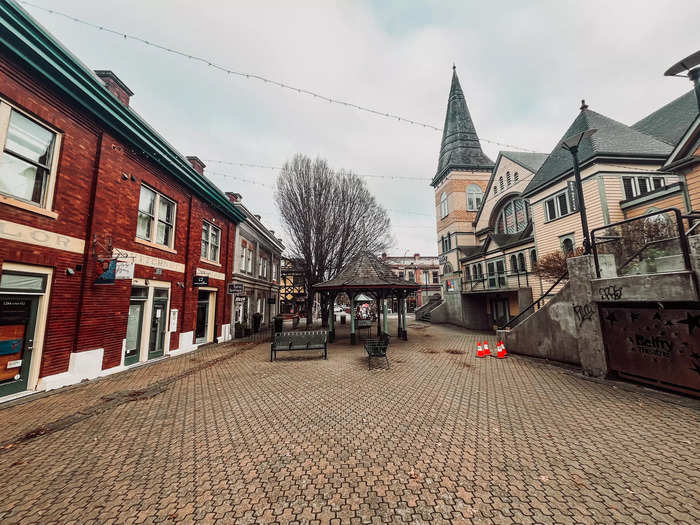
(500, 282)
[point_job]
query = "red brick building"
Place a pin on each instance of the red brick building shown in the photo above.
(114, 248)
(423, 270)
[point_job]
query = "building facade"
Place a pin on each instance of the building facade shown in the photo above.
(115, 248)
(492, 227)
(423, 270)
(257, 270)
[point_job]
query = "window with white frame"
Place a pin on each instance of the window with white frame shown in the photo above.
(156, 218)
(443, 205)
(274, 270)
(241, 267)
(641, 185)
(28, 157)
(474, 197)
(557, 206)
(249, 260)
(567, 243)
(211, 239)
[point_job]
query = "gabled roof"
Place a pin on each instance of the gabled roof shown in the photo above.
(460, 148)
(613, 139)
(365, 270)
(671, 121)
(25, 40)
(531, 161)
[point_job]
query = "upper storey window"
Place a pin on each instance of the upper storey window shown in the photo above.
(27, 164)
(443, 205)
(474, 197)
(156, 218)
(513, 217)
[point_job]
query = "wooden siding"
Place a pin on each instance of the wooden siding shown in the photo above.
(670, 201)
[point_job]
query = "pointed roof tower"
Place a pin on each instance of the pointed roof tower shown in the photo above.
(460, 147)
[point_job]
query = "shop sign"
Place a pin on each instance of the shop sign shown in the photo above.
(235, 288)
(154, 262)
(240, 298)
(173, 320)
(106, 271)
(21, 233)
(200, 280)
(124, 270)
(14, 364)
(572, 195)
(209, 273)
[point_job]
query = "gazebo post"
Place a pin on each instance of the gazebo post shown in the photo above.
(352, 319)
(398, 318)
(331, 318)
(378, 299)
(405, 332)
(386, 331)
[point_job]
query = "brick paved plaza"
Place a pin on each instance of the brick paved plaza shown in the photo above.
(224, 435)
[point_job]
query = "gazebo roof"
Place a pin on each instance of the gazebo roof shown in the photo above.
(366, 271)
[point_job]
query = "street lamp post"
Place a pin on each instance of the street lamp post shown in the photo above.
(571, 144)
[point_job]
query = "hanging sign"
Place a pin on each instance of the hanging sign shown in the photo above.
(106, 271)
(124, 270)
(200, 280)
(572, 195)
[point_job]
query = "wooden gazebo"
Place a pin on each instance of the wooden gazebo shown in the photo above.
(366, 274)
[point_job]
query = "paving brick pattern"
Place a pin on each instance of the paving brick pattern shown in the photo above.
(223, 435)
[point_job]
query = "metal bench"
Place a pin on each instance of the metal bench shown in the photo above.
(377, 348)
(288, 341)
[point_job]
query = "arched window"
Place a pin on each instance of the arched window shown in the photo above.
(508, 181)
(513, 217)
(500, 182)
(515, 177)
(533, 259)
(474, 197)
(513, 264)
(521, 263)
(443, 205)
(567, 245)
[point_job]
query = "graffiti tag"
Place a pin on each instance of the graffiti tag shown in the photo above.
(583, 312)
(611, 293)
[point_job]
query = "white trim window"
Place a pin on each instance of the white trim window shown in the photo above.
(474, 197)
(641, 185)
(28, 158)
(211, 241)
(244, 250)
(156, 218)
(443, 205)
(557, 206)
(249, 259)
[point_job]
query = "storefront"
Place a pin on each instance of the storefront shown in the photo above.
(148, 321)
(24, 295)
(206, 316)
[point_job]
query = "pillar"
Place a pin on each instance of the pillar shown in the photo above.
(386, 330)
(398, 316)
(352, 319)
(379, 313)
(403, 324)
(331, 319)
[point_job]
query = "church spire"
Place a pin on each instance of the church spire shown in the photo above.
(460, 147)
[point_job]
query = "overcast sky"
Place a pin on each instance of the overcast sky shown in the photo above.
(524, 67)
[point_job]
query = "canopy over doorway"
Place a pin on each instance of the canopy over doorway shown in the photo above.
(366, 275)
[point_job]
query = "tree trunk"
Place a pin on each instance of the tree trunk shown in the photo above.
(324, 311)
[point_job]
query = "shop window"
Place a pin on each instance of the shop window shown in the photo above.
(27, 167)
(22, 282)
(156, 218)
(211, 238)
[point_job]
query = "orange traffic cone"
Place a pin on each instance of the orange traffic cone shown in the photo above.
(501, 350)
(487, 352)
(479, 351)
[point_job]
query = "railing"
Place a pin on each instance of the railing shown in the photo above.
(539, 303)
(498, 281)
(652, 243)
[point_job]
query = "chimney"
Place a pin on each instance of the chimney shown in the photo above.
(234, 197)
(114, 85)
(197, 164)
(416, 255)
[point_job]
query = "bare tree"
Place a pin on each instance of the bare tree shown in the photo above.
(329, 217)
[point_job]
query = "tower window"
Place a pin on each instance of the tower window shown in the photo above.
(443, 205)
(474, 197)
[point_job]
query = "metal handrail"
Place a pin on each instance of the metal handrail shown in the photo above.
(474, 283)
(509, 324)
(679, 224)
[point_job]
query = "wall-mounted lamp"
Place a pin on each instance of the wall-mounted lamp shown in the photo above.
(70, 271)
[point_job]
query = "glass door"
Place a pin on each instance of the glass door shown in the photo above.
(134, 325)
(17, 324)
(200, 334)
(159, 324)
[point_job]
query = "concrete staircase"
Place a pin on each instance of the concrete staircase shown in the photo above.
(423, 313)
